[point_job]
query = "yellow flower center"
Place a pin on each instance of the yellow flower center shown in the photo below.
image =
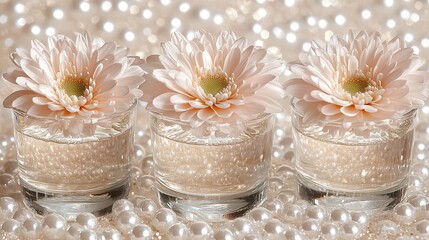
(356, 84)
(213, 84)
(74, 85)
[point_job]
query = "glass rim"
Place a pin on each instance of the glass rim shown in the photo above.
(168, 118)
(405, 115)
(56, 118)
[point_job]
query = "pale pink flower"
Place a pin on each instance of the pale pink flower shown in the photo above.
(357, 78)
(73, 79)
(216, 80)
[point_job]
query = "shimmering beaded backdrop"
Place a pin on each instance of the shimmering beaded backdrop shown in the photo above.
(285, 28)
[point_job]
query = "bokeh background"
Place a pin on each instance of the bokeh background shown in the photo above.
(284, 27)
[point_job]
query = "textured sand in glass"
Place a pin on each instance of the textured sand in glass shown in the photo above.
(378, 165)
(211, 169)
(84, 165)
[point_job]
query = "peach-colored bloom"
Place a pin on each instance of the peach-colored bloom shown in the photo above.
(66, 78)
(216, 80)
(357, 78)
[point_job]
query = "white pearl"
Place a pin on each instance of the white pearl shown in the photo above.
(88, 234)
(10, 225)
(275, 183)
(163, 219)
(274, 228)
(141, 232)
(146, 183)
(360, 217)
(286, 196)
(418, 201)
(145, 207)
(350, 230)
(223, 234)
(7, 184)
(8, 206)
(293, 234)
(54, 226)
(292, 212)
(315, 212)
(259, 216)
(311, 227)
(286, 172)
(241, 226)
(147, 165)
(178, 231)
(22, 214)
(122, 205)
(340, 215)
(110, 234)
(274, 205)
(31, 228)
(404, 213)
(422, 228)
(75, 229)
(87, 220)
(126, 221)
(329, 230)
(200, 230)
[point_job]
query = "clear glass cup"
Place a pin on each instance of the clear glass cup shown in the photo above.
(74, 165)
(364, 168)
(207, 176)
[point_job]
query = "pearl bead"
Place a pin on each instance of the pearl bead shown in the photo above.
(178, 231)
(418, 201)
(275, 184)
(141, 232)
(87, 234)
(31, 228)
(87, 220)
(274, 229)
(292, 213)
(259, 215)
(54, 226)
(7, 183)
(275, 206)
(387, 227)
(126, 221)
(163, 219)
(200, 230)
(122, 205)
(110, 234)
(329, 231)
(8, 206)
(286, 196)
(10, 225)
(146, 183)
(286, 172)
(22, 214)
(404, 213)
(315, 212)
(145, 207)
(340, 215)
(360, 217)
(293, 234)
(147, 165)
(422, 228)
(241, 226)
(350, 230)
(254, 236)
(74, 230)
(311, 227)
(223, 234)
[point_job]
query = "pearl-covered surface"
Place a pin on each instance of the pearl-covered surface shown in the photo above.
(285, 28)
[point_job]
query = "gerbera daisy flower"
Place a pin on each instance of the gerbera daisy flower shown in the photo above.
(73, 79)
(216, 80)
(357, 78)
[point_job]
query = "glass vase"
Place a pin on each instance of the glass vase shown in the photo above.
(74, 165)
(210, 176)
(364, 168)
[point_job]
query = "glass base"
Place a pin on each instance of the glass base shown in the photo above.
(371, 201)
(211, 208)
(70, 204)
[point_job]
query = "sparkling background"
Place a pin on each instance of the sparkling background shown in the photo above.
(285, 28)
